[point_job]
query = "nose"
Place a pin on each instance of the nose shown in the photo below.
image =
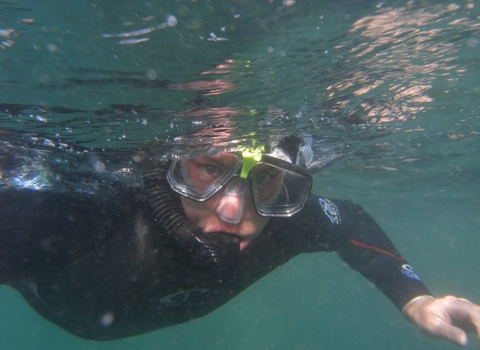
(230, 207)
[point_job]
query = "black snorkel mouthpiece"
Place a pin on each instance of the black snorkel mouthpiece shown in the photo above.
(216, 251)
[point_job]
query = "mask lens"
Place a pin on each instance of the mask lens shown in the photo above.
(268, 180)
(278, 191)
(200, 178)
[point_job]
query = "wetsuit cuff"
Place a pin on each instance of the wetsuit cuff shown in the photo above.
(413, 301)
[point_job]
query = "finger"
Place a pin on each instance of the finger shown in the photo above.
(466, 314)
(456, 335)
(465, 300)
(441, 327)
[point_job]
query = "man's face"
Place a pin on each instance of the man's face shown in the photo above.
(232, 213)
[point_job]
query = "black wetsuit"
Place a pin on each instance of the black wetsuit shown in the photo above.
(100, 268)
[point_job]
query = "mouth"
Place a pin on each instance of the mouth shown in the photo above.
(222, 229)
(228, 232)
(244, 241)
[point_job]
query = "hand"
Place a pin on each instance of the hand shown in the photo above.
(448, 317)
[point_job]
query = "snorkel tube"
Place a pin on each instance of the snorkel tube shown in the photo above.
(216, 251)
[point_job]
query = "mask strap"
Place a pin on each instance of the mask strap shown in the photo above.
(250, 159)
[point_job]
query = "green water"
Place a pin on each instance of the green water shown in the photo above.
(392, 86)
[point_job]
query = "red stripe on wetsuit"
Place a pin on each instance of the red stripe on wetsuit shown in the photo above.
(366, 246)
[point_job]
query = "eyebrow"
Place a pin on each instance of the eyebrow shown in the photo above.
(197, 160)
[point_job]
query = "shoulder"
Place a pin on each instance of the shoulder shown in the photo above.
(321, 225)
(329, 210)
(55, 205)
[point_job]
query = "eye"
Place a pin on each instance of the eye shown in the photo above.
(206, 169)
(210, 170)
(266, 175)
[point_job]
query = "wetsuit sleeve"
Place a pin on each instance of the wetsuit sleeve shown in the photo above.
(341, 226)
(366, 248)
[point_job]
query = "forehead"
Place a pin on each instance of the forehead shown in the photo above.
(222, 156)
(220, 159)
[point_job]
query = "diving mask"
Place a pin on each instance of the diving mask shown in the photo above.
(278, 188)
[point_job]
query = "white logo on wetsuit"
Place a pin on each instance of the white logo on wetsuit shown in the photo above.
(331, 210)
(408, 271)
(182, 299)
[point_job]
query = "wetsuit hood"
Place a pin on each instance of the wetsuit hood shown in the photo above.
(217, 251)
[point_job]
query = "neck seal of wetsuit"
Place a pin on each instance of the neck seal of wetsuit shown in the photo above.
(216, 251)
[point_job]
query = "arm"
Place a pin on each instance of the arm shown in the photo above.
(326, 225)
(368, 250)
(341, 226)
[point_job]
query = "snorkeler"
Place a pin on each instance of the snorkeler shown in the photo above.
(199, 232)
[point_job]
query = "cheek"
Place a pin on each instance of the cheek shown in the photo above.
(194, 210)
(258, 224)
